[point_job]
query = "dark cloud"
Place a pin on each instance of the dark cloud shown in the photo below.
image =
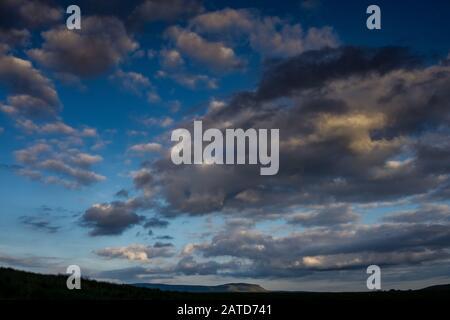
(30, 93)
(14, 37)
(41, 223)
(166, 237)
(321, 249)
(164, 10)
(428, 213)
(313, 69)
(356, 125)
(101, 44)
(123, 193)
(28, 13)
(156, 223)
(112, 218)
(189, 266)
(318, 252)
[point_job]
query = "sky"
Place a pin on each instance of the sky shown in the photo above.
(86, 117)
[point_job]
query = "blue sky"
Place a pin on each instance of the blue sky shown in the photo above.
(363, 115)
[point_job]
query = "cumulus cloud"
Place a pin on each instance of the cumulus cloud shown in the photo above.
(58, 162)
(242, 252)
(171, 58)
(30, 14)
(146, 147)
(215, 55)
(14, 37)
(55, 128)
(102, 43)
(111, 218)
(354, 246)
(30, 94)
(131, 81)
(356, 125)
(271, 36)
(137, 252)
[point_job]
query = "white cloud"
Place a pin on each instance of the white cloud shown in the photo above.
(214, 54)
(171, 58)
(146, 147)
(132, 81)
(136, 252)
(269, 35)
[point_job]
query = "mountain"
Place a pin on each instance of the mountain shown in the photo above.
(228, 287)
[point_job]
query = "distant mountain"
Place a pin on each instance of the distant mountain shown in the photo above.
(228, 287)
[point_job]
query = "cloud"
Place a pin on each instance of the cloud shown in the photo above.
(171, 58)
(32, 14)
(216, 105)
(356, 125)
(146, 147)
(39, 223)
(268, 35)
(101, 44)
(163, 122)
(428, 213)
(30, 93)
(131, 81)
(192, 81)
(321, 66)
(328, 216)
(111, 218)
(156, 223)
(355, 246)
(122, 193)
(56, 128)
(165, 10)
(310, 4)
(57, 162)
(14, 37)
(136, 252)
(215, 55)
